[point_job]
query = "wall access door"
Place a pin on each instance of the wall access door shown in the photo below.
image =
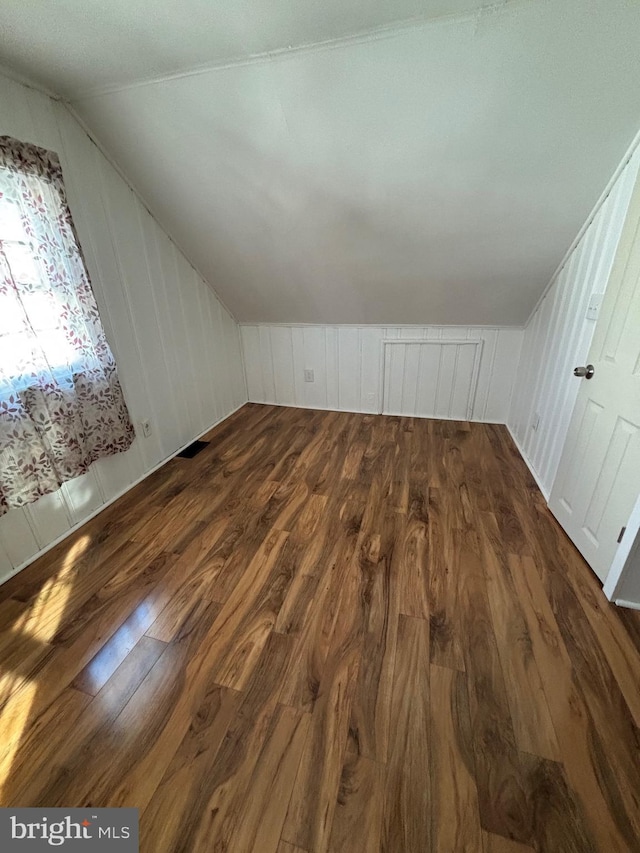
(431, 379)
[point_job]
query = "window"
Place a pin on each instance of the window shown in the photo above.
(61, 404)
(38, 305)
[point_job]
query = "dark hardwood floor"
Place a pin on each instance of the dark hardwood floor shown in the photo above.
(328, 632)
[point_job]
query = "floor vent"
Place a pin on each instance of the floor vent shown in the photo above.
(194, 448)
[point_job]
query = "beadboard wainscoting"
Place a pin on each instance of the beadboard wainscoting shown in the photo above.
(559, 333)
(177, 348)
(348, 365)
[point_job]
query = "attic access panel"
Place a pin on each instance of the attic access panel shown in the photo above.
(431, 379)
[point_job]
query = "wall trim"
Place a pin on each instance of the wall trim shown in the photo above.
(545, 493)
(113, 499)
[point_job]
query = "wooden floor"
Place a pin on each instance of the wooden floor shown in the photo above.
(328, 631)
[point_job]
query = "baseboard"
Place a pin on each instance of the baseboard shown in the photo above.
(313, 408)
(632, 605)
(368, 412)
(113, 499)
(534, 474)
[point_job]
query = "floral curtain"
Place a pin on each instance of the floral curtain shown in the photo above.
(61, 405)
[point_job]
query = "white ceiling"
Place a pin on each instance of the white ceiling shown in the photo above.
(436, 174)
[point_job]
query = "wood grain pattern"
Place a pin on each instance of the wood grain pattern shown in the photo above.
(455, 818)
(499, 844)
(380, 562)
(327, 632)
(502, 796)
(571, 719)
(533, 729)
(314, 798)
(444, 588)
(357, 820)
(262, 816)
(285, 847)
(407, 795)
(178, 792)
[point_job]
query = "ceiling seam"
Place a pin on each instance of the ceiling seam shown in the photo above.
(387, 31)
(27, 82)
(290, 325)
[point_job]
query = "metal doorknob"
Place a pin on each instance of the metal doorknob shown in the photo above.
(586, 372)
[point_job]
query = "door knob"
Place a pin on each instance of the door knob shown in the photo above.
(586, 372)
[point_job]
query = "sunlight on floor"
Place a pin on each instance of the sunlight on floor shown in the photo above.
(13, 722)
(39, 623)
(42, 619)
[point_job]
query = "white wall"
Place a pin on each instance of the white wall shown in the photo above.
(558, 336)
(347, 365)
(177, 348)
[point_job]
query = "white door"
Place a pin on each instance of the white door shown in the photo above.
(598, 478)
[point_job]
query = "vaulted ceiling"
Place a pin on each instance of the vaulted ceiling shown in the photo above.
(366, 161)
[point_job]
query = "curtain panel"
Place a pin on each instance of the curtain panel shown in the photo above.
(61, 404)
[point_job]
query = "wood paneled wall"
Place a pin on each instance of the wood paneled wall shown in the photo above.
(177, 347)
(558, 336)
(348, 366)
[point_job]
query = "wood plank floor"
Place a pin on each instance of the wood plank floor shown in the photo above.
(327, 632)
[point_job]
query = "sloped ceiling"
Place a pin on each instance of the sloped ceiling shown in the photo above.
(434, 171)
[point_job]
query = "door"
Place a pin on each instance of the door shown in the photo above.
(598, 479)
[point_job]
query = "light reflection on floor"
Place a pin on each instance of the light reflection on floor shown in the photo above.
(103, 665)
